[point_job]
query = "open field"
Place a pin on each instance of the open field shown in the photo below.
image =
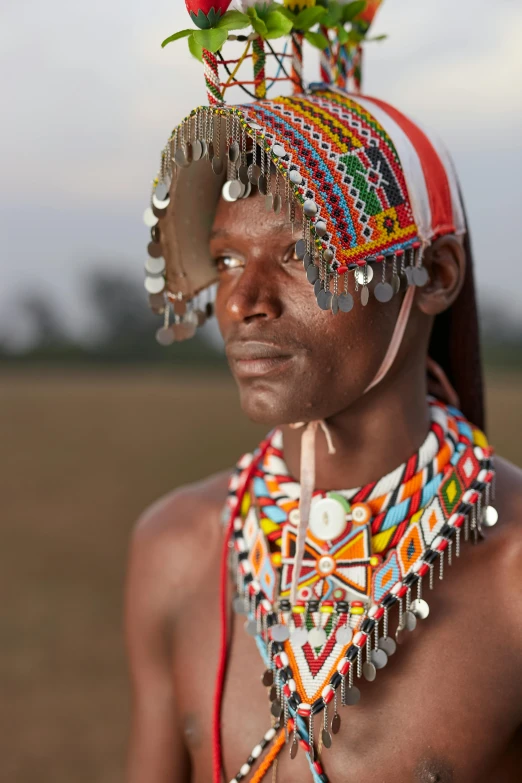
(83, 454)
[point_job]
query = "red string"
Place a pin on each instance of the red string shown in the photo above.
(222, 663)
(248, 56)
(272, 79)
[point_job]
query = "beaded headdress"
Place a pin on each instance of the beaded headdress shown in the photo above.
(371, 188)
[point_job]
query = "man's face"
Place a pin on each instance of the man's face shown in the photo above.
(291, 360)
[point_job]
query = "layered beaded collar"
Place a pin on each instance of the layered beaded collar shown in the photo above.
(366, 550)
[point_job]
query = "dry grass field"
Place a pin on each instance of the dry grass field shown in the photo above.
(83, 454)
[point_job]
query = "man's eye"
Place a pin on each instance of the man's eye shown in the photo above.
(224, 263)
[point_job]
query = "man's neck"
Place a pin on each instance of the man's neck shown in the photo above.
(371, 437)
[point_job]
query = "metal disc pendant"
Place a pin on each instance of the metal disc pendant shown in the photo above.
(396, 283)
(336, 723)
(154, 250)
(248, 190)
(490, 516)
(420, 276)
(275, 709)
(279, 633)
(238, 605)
(345, 303)
(344, 635)
(262, 185)
(327, 738)
(295, 177)
(420, 608)
(233, 152)
(299, 637)
(365, 295)
(352, 696)
(165, 336)
(293, 749)
(155, 233)
(359, 275)
(251, 627)
(204, 148)
(399, 634)
(268, 678)
(155, 266)
(155, 285)
(278, 150)
(316, 637)
(225, 192)
(272, 693)
(149, 218)
(269, 202)
(310, 208)
(383, 292)
(243, 175)
(312, 273)
(162, 191)
(317, 286)
(388, 645)
(278, 203)
(180, 157)
(379, 659)
(307, 260)
(157, 303)
(320, 228)
(197, 150)
(369, 671)
(236, 189)
(335, 304)
(254, 172)
(324, 300)
(210, 151)
(217, 165)
(408, 274)
(410, 621)
(300, 248)
(157, 203)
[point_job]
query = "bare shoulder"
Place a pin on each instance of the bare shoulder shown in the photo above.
(167, 539)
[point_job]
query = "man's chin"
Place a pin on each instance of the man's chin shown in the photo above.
(263, 403)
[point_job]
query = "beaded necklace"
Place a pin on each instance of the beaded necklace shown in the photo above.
(365, 551)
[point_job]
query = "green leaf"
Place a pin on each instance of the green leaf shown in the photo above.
(333, 16)
(377, 38)
(234, 20)
(351, 10)
(342, 35)
(195, 49)
(212, 40)
(257, 23)
(175, 37)
(316, 39)
(277, 25)
(308, 17)
(282, 10)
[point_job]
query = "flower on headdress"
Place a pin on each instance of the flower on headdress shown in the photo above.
(257, 4)
(206, 13)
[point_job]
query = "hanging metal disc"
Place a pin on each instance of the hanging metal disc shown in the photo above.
(268, 678)
(359, 274)
(225, 191)
(345, 302)
(254, 172)
(379, 658)
(269, 202)
(420, 608)
(408, 274)
(154, 285)
(316, 637)
(335, 304)
(161, 205)
(251, 627)
(233, 152)
(238, 604)
(165, 336)
(327, 738)
(410, 621)
(365, 295)
(490, 516)
(279, 633)
(278, 203)
(396, 283)
(383, 292)
(236, 189)
(299, 637)
(154, 249)
(162, 190)
(324, 300)
(388, 645)
(317, 286)
(243, 175)
(336, 723)
(149, 218)
(217, 165)
(247, 190)
(300, 248)
(352, 696)
(312, 273)
(420, 276)
(262, 185)
(204, 148)
(344, 635)
(369, 671)
(155, 266)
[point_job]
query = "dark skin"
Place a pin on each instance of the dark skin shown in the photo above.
(448, 707)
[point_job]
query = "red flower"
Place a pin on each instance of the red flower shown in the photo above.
(206, 13)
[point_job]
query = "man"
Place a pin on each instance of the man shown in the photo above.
(326, 579)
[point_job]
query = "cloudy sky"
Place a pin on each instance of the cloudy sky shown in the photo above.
(90, 98)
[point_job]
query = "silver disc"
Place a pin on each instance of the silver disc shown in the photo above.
(410, 621)
(233, 152)
(307, 260)
(317, 286)
(225, 191)
(161, 205)
(154, 249)
(335, 304)
(294, 748)
(359, 274)
(345, 303)
(149, 218)
(162, 190)
(279, 633)
(247, 191)
(278, 203)
(204, 148)
(262, 185)
(316, 637)
(299, 637)
(408, 274)
(184, 330)
(243, 174)
(278, 150)
(268, 678)
(324, 300)
(379, 658)
(238, 605)
(254, 172)
(320, 228)
(310, 208)
(365, 295)
(328, 255)
(352, 696)
(165, 336)
(155, 266)
(180, 157)
(369, 671)
(154, 285)
(295, 177)
(236, 189)
(275, 709)
(396, 283)
(327, 738)
(420, 608)
(312, 273)
(336, 723)
(269, 202)
(400, 634)
(210, 151)
(217, 165)
(344, 635)
(383, 292)
(420, 276)
(490, 516)
(197, 150)
(388, 645)
(300, 248)
(251, 627)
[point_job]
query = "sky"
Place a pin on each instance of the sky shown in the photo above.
(90, 99)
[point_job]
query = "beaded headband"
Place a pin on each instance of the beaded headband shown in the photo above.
(369, 185)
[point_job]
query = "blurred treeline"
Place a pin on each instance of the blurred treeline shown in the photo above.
(123, 331)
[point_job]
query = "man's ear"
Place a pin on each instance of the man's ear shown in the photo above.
(445, 261)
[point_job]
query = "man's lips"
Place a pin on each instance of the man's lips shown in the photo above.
(249, 359)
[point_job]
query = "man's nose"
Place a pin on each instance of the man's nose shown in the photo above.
(254, 294)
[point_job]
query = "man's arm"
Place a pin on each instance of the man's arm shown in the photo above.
(156, 751)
